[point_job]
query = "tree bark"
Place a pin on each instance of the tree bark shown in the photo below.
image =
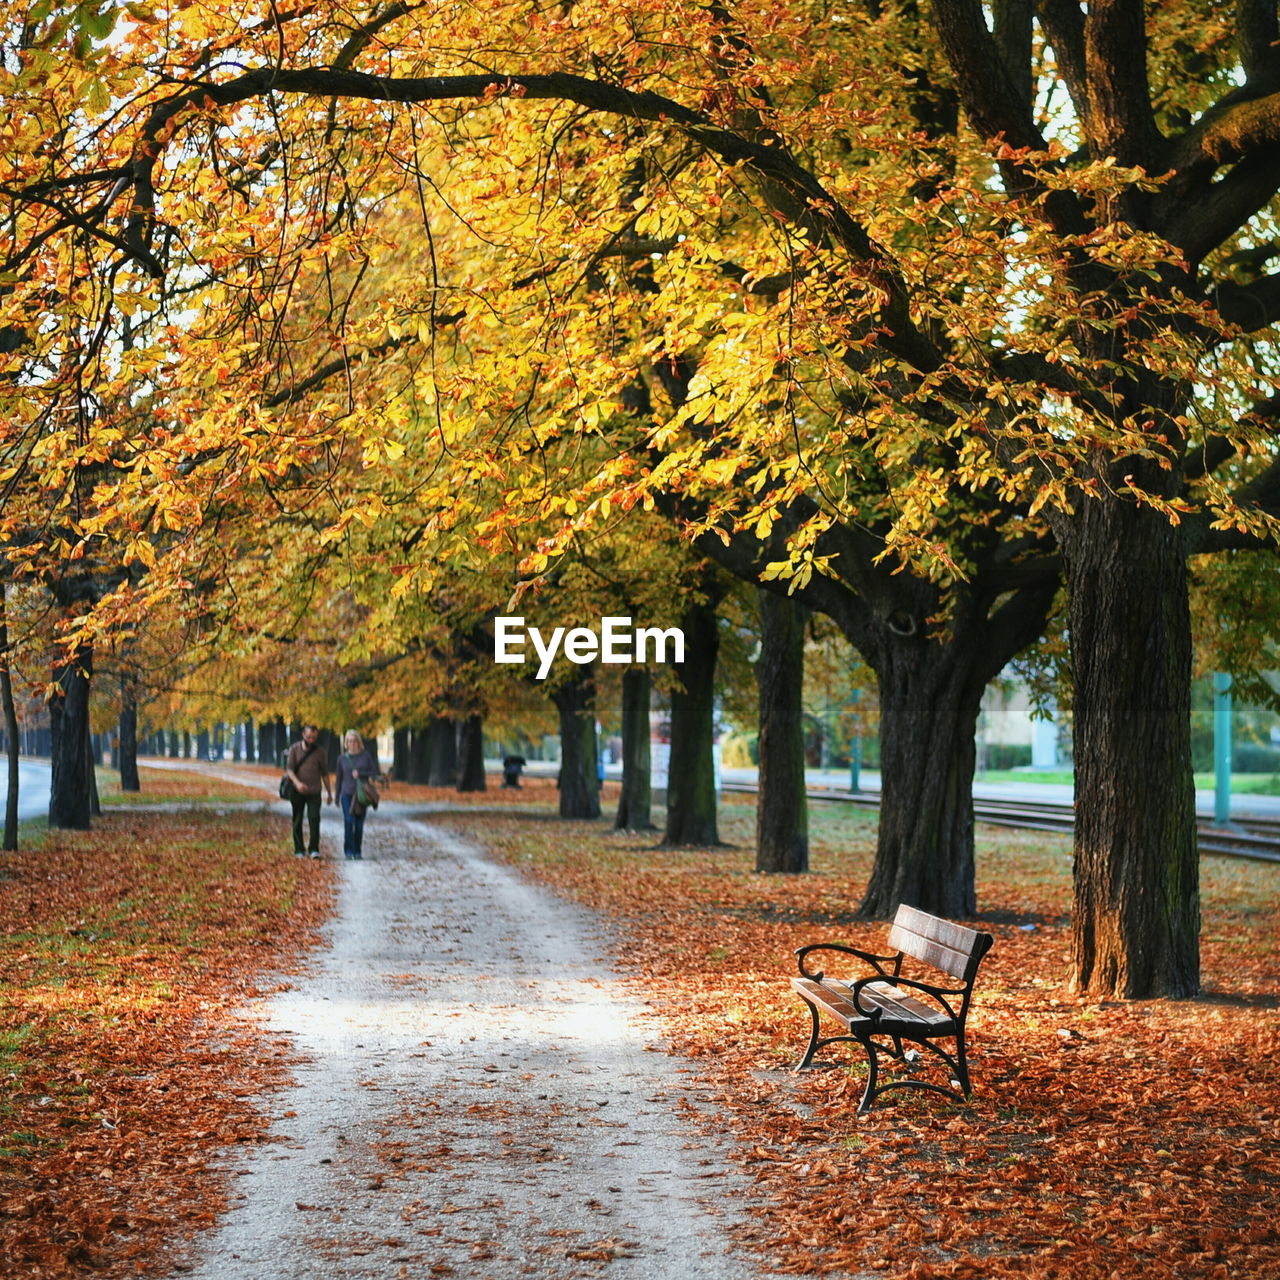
(1136, 919)
(930, 696)
(471, 755)
(419, 763)
(91, 755)
(10, 735)
(782, 806)
(401, 740)
(579, 781)
(635, 805)
(70, 796)
(442, 752)
(691, 782)
(128, 738)
(250, 755)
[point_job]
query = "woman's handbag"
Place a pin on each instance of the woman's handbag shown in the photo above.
(366, 795)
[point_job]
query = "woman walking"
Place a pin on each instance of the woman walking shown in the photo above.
(355, 764)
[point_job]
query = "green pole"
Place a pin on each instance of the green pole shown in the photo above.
(1221, 748)
(855, 748)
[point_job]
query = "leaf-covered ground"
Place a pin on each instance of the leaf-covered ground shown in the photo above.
(1105, 1138)
(125, 953)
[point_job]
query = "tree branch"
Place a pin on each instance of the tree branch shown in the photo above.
(987, 90)
(1121, 121)
(361, 37)
(296, 390)
(991, 101)
(1258, 38)
(1240, 132)
(791, 190)
(1243, 123)
(1251, 307)
(1063, 23)
(1012, 28)
(1262, 492)
(1205, 459)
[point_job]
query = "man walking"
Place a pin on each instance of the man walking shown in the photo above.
(308, 770)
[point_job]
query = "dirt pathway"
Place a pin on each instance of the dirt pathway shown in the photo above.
(478, 1097)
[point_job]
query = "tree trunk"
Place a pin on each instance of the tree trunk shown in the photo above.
(128, 738)
(250, 734)
(70, 798)
(95, 800)
(10, 734)
(280, 743)
(419, 763)
(471, 755)
(400, 747)
(782, 807)
(691, 782)
(635, 803)
(442, 747)
(930, 695)
(1136, 919)
(579, 781)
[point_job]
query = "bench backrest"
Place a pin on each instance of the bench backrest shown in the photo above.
(942, 943)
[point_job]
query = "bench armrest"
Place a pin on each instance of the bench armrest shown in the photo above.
(937, 994)
(876, 962)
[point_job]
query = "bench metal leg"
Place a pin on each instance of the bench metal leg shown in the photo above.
(957, 1064)
(961, 1065)
(807, 1061)
(873, 1071)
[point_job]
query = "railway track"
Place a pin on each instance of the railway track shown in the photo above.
(1254, 838)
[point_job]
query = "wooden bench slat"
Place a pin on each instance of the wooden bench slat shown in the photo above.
(837, 997)
(958, 937)
(893, 1000)
(950, 961)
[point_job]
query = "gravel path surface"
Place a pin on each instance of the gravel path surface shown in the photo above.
(478, 1097)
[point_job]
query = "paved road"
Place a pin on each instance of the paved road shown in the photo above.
(33, 788)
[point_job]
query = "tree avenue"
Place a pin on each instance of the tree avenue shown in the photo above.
(911, 312)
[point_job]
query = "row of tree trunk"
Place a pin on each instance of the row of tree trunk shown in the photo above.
(448, 752)
(782, 836)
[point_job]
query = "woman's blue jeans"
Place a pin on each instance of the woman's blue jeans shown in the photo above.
(352, 829)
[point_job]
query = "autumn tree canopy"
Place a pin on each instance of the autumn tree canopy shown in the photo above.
(911, 311)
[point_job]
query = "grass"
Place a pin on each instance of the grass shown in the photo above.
(1242, 784)
(174, 787)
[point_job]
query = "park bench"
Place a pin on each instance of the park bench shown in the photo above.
(886, 1008)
